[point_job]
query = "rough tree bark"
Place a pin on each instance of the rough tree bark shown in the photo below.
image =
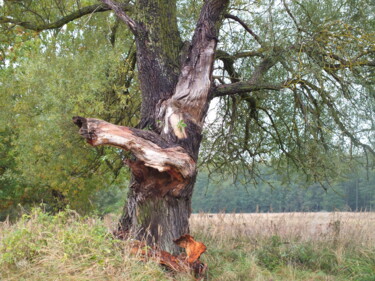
(175, 89)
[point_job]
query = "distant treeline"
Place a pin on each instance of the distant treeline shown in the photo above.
(357, 192)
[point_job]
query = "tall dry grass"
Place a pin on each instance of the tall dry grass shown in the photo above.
(288, 246)
(356, 228)
(68, 247)
(264, 247)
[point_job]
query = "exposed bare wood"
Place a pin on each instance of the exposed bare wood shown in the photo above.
(190, 99)
(146, 146)
(176, 84)
(181, 263)
(193, 248)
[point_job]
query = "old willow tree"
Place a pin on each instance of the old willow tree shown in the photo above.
(290, 84)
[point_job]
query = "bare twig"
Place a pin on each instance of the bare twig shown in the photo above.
(244, 25)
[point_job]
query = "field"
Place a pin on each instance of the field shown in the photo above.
(288, 246)
(356, 227)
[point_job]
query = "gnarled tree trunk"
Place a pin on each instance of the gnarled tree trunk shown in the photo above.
(175, 89)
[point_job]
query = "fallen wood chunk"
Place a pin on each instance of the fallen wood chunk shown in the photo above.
(193, 248)
(180, 263)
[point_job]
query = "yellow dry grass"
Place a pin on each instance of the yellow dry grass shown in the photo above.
(353, 227)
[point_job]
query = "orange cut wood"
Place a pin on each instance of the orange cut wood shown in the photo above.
(180, 263)
(193, 248)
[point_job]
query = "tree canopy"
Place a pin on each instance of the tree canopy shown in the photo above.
(293, 89)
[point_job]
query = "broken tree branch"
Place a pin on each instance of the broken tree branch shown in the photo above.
(181, 263)
(147, 146)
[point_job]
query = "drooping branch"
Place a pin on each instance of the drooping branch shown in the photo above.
(244, 87)
(114, 28)
(335, 115)
(343, 63)
(61, 22)
(244, 25)
(147, 146)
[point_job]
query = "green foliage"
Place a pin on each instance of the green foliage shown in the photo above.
(35, 232)
(316, 126)
(181, 125)
(67, 246)
(275, 254)
(49, 80)
(301, 129)
(109, 200)
(272, 258)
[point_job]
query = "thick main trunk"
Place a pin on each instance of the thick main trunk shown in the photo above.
(163, 175)
(174, 104)
(157, 220)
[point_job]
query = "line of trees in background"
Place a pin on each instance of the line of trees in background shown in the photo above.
(213, 194)
(355, 193)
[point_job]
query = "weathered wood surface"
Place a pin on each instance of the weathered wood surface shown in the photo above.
(175, 82)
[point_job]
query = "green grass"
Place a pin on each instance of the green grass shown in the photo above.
(271, 259)
(69, 247)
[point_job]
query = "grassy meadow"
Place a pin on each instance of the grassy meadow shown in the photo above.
(288, 246)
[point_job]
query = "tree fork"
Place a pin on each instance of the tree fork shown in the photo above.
(163, 175)
(170, 163)
(175, 99)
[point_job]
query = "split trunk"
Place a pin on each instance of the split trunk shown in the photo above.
(175, 80)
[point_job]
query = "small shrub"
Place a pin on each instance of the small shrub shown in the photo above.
(270, 254)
